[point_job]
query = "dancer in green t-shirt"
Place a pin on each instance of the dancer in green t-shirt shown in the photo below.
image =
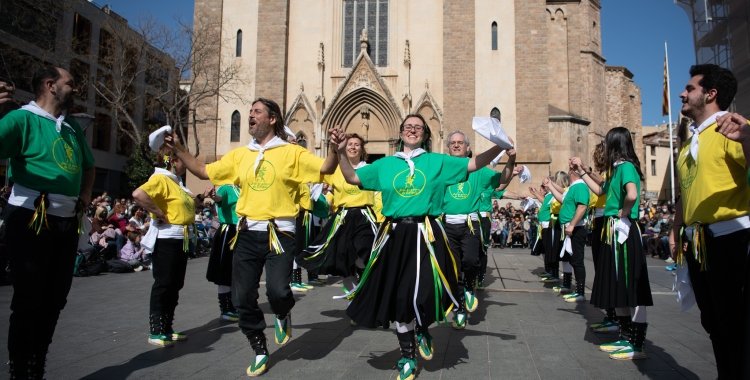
(219, 269)
(404, 281)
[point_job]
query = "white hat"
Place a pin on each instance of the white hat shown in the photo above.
(156, 138)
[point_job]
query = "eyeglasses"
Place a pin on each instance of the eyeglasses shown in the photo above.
(416, 128)
(459, 143)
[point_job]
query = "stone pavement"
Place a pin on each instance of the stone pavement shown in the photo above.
(522, 330)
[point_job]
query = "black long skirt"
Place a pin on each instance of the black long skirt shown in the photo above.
(339, 244)
(540, 243)
(552, 251)
(621, 278)
(401, 268)
(596, 239)
(486, 224)
(305, 231)
(220, 262)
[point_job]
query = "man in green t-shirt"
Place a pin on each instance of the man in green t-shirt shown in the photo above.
(53, 171)
(461, 203)
(575, 201)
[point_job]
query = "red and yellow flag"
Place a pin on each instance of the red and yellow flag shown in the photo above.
(665, 97)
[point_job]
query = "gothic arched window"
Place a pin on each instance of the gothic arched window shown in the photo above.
(495, 113)
(494, 35)
(235, 135)
(302, 141)
(373, 16)
(239, 43)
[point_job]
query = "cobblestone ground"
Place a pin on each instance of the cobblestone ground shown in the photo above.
(522, 330)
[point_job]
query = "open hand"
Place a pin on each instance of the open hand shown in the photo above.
(173, 142)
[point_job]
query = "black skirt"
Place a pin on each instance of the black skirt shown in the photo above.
(552, 251)
(596, 239)
(486, 224)
(387, 291)
(621, 278)
(340, 243)
(220, 262)
(541, 241)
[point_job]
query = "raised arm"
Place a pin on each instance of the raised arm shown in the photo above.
(508, 170)
(332, 161)
(554, 189)
(481, 160)
(588, 169)
(191, 163)
(537, 194)
(736, 128)
(591, 182)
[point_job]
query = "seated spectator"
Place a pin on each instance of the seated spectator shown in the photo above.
(105, 242)
(119, 221)
(132, 253)
(99, 220)
(516, 227)
(140, 220)
(496, 231)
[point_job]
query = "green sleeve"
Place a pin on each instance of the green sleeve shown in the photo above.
(88, 158)
(223, 193)
(498, 194)
(494, 178)
(628, 174)
(582, 195)
(454, 169)
(11, 135)
(369, 176)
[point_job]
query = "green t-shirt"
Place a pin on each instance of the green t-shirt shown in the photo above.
(485, 200)
(229, 196)
(578, 194)
(615, 189)
(42, 159)
(419, 195)
(465, 197)
(544, 211)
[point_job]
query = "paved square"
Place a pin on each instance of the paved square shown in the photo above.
(522, 330)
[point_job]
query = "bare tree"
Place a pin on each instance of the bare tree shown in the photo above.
(151, 70)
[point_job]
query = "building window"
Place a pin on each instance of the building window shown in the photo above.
(653, 168)
(301, 140)
(34, 22)
(235, 136)
(373, 16)
(494, 35)
(102, 132)
(124, 145)
(80, 72)
(81, 35)
(239, 43)
(496, 114)
(653, 150)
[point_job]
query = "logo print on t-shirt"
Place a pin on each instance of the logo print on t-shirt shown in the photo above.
(350, 189)
(409, 186)
(691, 171)
(265, 177)
(460, 191)
(188, 201)
(64, 153)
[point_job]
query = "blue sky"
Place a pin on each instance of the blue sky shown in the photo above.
(633, 34)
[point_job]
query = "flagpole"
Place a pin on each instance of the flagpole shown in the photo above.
(669, 106)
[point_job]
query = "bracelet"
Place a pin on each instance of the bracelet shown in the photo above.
(581, 175)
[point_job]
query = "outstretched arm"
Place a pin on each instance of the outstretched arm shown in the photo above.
(350, 175)
(554, 189)
(329, 166)
(590, 181)
(508, 172)
(191, 163)
(481, 160)
(736, 128)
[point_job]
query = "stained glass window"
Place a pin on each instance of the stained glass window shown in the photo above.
(373, 16)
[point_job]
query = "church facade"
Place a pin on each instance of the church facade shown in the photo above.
(365, 64)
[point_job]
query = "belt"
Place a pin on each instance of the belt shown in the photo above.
(409, 220)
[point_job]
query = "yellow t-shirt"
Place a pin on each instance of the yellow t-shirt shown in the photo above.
(377, 207)
(597, 201)
(302, 197)
(716, 189)
(175, 203)
(345, 194)
(555, 206)
(268, 192)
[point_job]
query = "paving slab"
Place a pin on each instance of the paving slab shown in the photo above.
(522, 330)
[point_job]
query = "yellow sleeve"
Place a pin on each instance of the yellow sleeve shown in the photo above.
(156, 187)
(378, 207)
(307, 167)
(223, 171)
(734, 150)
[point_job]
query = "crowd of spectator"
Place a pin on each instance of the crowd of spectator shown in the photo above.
(655, 222)
(512, 226)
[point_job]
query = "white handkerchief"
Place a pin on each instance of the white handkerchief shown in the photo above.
(525, 175)
(496, 160)
(156, 138)
(529, 203)
(289, 132)
(623, 227)
(567, 246)
(315, 191)
(684, 288)
(491, 129)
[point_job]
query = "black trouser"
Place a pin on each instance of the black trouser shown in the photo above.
(484, 250)
(170, 263)
(578, 243)
(719, 295)
(465, 244)
(251, 254)
(41, 269)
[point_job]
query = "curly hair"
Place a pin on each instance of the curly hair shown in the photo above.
(599, 158)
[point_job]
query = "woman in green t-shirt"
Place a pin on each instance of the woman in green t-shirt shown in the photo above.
(621, 280)
(403, 282)
(219, 269)
(543, 236)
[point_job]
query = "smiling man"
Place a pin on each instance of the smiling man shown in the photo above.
(53, 171)
(714, 211)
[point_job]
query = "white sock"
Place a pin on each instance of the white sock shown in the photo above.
(567, 268)
(224, 289)
(638, 314)
(404, 327)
